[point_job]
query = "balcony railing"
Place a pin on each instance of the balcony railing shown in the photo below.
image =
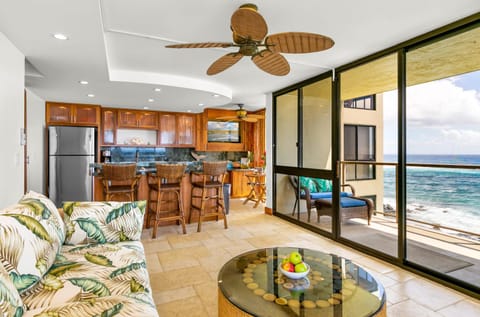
(341, 172)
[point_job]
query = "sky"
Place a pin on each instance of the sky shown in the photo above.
(443, 117)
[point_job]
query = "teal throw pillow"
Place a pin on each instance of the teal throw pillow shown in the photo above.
(324, 185)
(308, 183)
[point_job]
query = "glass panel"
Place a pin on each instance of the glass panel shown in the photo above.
(350, 143)
(443, 98)
(317, 125)
(286, 195)
(304, 208)
(286, 129)
(375, 135)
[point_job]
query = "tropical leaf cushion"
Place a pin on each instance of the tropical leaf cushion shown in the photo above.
(307, 182)
(113, 276)
(11, 304)
(41, 204)
(29, 242)
(102, 222)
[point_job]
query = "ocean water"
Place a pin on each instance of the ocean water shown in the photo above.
(445, 196)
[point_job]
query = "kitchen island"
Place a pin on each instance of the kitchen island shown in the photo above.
(193, 173)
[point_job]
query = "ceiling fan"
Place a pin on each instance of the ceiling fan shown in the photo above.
(242, 115)
(250, 36)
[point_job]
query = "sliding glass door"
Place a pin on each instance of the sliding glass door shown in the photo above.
(443, 156)
(303, 121)
(368, 147)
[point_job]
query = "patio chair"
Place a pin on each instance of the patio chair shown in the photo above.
(350, 206)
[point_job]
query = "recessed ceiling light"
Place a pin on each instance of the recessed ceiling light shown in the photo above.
(83, 82)
(189, 110)
(146, 108)
(201, 104)
(151, 100)
(91, 95)
(60, 36)
(157, 89)
(215, 96)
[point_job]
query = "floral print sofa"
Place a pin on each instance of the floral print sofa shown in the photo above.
(88, 263)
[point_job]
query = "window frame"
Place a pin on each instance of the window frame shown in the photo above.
(354, 103)
(356, 126)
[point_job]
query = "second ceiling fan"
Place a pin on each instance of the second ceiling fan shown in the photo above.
(250, 36)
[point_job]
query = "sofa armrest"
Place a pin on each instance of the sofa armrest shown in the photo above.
(103, 222)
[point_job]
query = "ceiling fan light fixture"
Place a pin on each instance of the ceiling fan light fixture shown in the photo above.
(250, 36)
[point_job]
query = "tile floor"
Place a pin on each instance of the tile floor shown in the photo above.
(183, 268)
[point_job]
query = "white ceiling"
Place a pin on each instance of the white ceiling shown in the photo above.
(118, 45)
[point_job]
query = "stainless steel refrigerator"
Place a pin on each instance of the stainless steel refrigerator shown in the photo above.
(71, 150)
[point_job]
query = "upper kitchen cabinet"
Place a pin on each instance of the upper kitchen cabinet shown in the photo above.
(176, 129)
(137, 119)
(109, 118)
(72, 114)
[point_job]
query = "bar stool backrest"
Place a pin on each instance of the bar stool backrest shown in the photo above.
(170, 173)
(215, 171)
(119, 172)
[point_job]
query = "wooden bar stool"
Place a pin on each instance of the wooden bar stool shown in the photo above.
(210, 192)
(165, 196)
(120, 180)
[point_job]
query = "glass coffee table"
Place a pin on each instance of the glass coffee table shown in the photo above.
(251, 285)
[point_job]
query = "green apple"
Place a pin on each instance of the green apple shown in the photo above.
(295, 258)
(301, 267)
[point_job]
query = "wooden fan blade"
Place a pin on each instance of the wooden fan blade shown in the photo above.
(223, 63)
(272, 63)
(298, 42)
(247, 23)
(257, 116)
(226, 117)
(200, 45)
(249, 119)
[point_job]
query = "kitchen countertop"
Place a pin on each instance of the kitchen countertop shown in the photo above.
(149, 167)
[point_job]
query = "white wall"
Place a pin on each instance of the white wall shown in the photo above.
(36, 168)
(268, 149)
(12, 73)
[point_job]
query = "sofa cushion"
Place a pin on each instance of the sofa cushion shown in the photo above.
(44, 205)
(308, 183)
(29, 242)
(323, 185)
(10, 302)
(102, 222)
(111, 275)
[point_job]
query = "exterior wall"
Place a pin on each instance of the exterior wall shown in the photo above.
(12, 73)
(372, 118)
(36, 168)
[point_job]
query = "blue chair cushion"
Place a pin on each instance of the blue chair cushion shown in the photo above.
(346, 202)
(326, 195)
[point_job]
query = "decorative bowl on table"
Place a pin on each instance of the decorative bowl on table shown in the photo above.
(294, 275)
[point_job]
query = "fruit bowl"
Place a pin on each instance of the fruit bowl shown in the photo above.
(294, 275)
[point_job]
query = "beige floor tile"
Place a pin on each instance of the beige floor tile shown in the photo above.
(393, 297)
(208, 294)
(173, 295)
(375, 265)
(410, 308)
(464, 308)
(428, 294)
(401, 275)
(154, 246)
(178, 278)
(189, 307)
(153, 264)
(170, 262)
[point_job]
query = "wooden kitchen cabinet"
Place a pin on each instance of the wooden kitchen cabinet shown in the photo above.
(109, 126)
(176, 129)
(72, 114)
(137, 119)
(239, 181)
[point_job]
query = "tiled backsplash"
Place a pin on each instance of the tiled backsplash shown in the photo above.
(152, 154)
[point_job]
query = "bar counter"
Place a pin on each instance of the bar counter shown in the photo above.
(191, 174)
